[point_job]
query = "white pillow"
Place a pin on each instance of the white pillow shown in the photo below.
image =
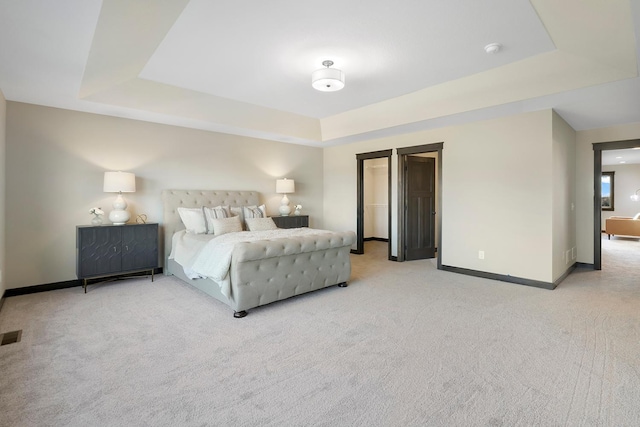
(260, 224)
(214, 213)
(637, 216)
(193, 220)
(226, 225)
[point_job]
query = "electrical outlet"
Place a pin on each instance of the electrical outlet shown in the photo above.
(480, 254)
(573, 252)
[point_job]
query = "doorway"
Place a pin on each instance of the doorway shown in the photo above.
(376, 200)
(598, 148)
(385, 167)
(419, 200)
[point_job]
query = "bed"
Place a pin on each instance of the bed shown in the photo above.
(263, 271)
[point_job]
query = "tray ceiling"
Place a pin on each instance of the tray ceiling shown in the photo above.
(244, 67)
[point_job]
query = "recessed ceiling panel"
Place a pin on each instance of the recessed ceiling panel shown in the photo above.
(264, 52)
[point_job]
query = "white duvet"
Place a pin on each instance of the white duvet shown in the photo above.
(206, 255)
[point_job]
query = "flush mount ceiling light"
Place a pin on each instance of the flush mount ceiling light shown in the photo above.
(493, 48)
(327, 79)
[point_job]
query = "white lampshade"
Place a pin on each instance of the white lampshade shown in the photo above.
(285, 185)
(327, 79)
(119, 182)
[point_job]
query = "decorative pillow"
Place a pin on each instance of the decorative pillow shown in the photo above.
(193, 220)
(237, 211)
(637, 216)
(260, 224)
(214, 213)
(226, 225)
(253, 212)
(241, 212)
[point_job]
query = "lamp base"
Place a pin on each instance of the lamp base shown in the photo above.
(285, 209)
(119, 216)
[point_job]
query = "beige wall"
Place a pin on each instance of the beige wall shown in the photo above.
(56, 160)
(497, 196)
(3, 115)
(500, 173)
(497, 192)
(564, 176)
(584, 180)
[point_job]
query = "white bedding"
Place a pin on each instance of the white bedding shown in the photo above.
(207, 255)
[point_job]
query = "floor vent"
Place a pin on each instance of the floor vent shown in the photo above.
(10, 337)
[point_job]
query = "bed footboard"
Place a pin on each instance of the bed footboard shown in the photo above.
(272, 270)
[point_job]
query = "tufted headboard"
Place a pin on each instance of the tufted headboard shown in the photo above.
(173, 199)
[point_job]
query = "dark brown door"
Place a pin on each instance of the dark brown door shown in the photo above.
(420, 208)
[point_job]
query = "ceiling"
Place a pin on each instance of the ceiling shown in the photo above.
(245, 67)
(620, 157)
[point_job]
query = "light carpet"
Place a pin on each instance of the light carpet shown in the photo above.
(404, 344)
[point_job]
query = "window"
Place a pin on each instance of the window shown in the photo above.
(607, 190)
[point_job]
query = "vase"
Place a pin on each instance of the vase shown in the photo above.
(296, 212)
(97, 220)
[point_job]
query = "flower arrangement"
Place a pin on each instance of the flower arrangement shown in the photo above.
(97, 212)
(297, 207)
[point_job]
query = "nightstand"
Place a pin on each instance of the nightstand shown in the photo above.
(114, 250)
(291, 221)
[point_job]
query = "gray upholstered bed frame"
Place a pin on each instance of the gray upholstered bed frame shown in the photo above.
(265, 271)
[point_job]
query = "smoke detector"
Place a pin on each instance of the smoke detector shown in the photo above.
(493, 48)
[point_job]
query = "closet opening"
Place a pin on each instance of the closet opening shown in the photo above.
(374, 199)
